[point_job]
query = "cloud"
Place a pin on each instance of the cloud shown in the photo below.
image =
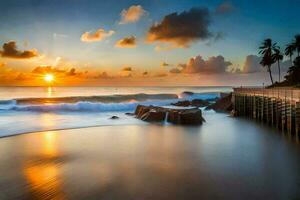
(164, 64)
(213, 65)
(10, 51)
(127, 69)
(251, 64)
(103, 75)
(127, 42)
(72, 72)
(145, 73)
(182, 29)
(175, 71)
(132, 14)
(41, 70)
(99, 35)
(161, 74)
(224, 8)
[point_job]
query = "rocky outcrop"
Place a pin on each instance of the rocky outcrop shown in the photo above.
(194, 103)
(223, 104)
(188, 116)
(114, 117)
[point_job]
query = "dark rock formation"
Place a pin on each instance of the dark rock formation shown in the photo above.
(114, 117)
(130, 114)
(189, 116)
(194, 103)
(223, 104)
(154, 115)
(182, 103)
(199, 103)
(185, 116)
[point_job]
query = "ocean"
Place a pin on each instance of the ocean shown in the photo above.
(31, 109)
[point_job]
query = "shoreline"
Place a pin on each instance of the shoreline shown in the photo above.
(72, 128)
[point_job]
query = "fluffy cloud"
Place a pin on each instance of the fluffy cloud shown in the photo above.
(10, 51)
(224, 8)
(145, 73)
(63, 72)
(175, 71)
(164, 64)
(251, 64)
(182, 29)
(132, 14)
(127, 42)
(127, 69)
(99, 35)
(214, 64)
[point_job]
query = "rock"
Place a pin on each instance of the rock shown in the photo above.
(233, 113)
(114, 117)
(199, 103)
(188, 116)
(222, 105)
(194, 103)
(141, 110)
(191, 117)
(182, 103)
(130, 114)
(154, 116)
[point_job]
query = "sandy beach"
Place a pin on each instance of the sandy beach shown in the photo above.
(236, 159)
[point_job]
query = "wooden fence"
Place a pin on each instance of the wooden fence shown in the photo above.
(278, 107)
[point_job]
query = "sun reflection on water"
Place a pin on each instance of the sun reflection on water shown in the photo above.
(42, 172)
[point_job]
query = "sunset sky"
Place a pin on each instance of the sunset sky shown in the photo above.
(157, 42)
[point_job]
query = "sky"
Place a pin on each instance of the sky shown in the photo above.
(135, 43)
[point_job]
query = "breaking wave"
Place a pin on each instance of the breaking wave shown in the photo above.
(99, 103)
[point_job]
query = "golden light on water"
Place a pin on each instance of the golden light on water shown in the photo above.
(49, 78)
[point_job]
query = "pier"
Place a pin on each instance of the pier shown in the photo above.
(278, 107)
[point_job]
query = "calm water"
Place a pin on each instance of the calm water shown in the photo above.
(225, 158)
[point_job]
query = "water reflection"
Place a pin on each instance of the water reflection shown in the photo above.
(49, 91)
(42, 171)
(155, 162)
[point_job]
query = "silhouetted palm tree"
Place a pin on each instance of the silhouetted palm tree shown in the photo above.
(297, 43)
(266, 50)
(289, 51)
(277, 57)
(292, 78)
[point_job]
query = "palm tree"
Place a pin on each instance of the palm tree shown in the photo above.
(277, 57)
(289, 51)
(297, 43)
(266, 50)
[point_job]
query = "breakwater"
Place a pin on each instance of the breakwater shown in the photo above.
(279, 107)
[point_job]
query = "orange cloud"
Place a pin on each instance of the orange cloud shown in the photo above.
(99, 35)
(213, 65)
(127, 42)
(132, 14)
(127, 69)
(10, 51)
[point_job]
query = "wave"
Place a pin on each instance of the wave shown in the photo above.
(99, 103)
(103, 99)
(88, 106)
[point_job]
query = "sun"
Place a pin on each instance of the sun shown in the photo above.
(49, 78)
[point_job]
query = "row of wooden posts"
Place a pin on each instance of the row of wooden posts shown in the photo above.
(281, 111)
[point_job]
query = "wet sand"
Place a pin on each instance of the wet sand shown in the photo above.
(235, 159)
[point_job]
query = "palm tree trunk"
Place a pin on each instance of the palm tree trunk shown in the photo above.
(291, 60)
(270, 73)
(278, 70)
